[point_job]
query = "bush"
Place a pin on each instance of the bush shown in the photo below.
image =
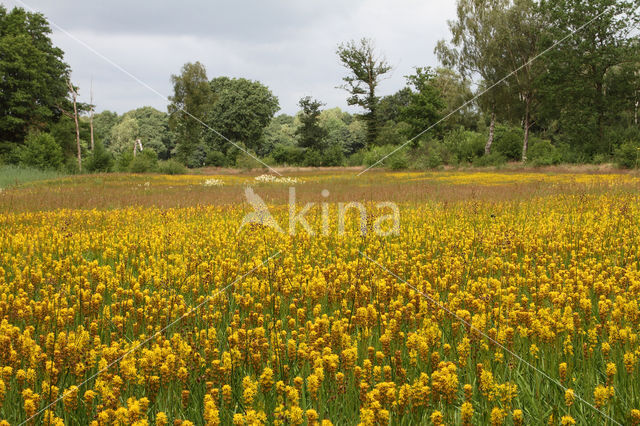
(288, 155)
(171, 167)
(248, 162)
(463, 145)
(145, 162)
(628, 155)
(333, 156)
(508, 142)
(356, 159)
(100, 159)
(493, 159)
(399, 160)
(123, 161)
(41, 151)
(376, 153)
(543, 153)
(570, 154)
(216, 159)
(313, 158)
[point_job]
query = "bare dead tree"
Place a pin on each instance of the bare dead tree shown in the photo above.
(74, 116)
(137, 145)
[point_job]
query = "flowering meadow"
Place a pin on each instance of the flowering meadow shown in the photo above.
(516, 301)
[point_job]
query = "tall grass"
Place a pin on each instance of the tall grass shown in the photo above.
(11, 175)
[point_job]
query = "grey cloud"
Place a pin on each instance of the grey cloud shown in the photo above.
(287, 45)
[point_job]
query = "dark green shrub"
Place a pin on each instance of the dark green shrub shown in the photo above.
(508, 142)
(171, 167)
(376, 153)
(100, 160)
(333, 156)
(463, 145)
(313, 158)
(123, 161)
(144, 162)
(248, 162)
(399, 160)
(493, 159)
(288, 155)
(41, 151)
(628, 155)
(356, 159)
(198, 157)
(216, 159)
(543, 153)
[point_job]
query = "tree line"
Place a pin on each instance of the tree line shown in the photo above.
(541, 82)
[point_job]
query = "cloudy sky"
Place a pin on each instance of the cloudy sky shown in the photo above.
(289, 45)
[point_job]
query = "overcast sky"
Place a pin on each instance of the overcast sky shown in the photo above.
(288, 45)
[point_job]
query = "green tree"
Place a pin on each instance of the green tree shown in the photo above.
(41, 151)
(366, 69)
(575, 95)
(102, 125)
(425, 104)
(390, 105)
(310, 134)
(241, 112)
(456, 92)
(192, 97)
(123, 136)
(519, 38)
(33, 76)
(153, 130)
(475, 50)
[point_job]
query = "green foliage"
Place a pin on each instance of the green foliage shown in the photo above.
(591, 77)
(333, 156)
(392, 133)
(464, 145)
(376, 153)
(100, 160)
(425, 104)
(216, 159)
(11, 175)
(543, 153)
(152, 129)
(192, 97)
(33, 76)
(310, 134)
(399, 160)
(145, 162)
(123, 161)
(508, 142)
(288, 155)
(241, 112)
(248, 162)
(494, 159)
(123, 135)
(627, 155)
(366, 69)
(102, 124)
(171, 167)
(313, 158)
(390, 106)
(40, 151)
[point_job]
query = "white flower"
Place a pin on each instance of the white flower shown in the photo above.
(212, 182)
(275, 179)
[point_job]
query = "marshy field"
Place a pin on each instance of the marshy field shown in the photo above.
(504, 297)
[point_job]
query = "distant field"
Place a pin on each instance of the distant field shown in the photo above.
(506, 297)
